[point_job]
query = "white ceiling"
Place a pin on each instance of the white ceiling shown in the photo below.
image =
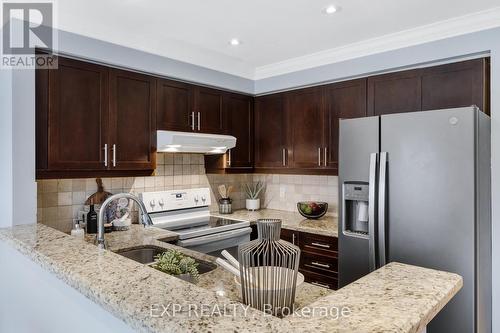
(278, 36)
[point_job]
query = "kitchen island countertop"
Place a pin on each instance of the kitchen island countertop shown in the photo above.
(394, 298)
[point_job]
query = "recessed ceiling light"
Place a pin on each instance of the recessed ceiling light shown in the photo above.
(234, 42)
(330, 9)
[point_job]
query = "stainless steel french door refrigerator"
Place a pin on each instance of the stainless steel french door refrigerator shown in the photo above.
(415, 188)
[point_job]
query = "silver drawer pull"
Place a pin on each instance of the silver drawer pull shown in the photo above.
(321, 285)
(321, 245)
(320, 264)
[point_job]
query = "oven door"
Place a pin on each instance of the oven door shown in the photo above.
(213, 244)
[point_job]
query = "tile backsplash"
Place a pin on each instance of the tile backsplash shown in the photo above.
(284, 191)
(59, 200)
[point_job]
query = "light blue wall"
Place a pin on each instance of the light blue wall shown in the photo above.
(93, 49)
(6, 180)
(392, 60)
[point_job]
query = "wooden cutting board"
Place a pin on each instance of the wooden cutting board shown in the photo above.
(98, 197)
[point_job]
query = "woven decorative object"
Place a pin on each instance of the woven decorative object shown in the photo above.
(268, 268)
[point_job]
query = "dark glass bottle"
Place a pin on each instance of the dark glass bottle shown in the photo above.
(92, 221)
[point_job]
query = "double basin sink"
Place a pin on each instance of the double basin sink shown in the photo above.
(146, 255)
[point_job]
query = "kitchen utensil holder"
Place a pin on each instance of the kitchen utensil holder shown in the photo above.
(268, 270)
(225, 206)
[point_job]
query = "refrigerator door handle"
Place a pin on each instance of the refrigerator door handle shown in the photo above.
(382, 205)
(372, 190)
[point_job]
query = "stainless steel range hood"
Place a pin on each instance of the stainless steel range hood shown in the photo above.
(186, 142)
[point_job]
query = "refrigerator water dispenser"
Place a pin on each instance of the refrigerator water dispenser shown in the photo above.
(355, 221)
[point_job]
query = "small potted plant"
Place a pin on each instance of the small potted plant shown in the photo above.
(175, 263)
(253, 190)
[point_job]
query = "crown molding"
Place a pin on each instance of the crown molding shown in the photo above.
(443, 29)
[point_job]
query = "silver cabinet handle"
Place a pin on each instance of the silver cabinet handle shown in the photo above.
(293, 238)
(105, 154)
(114, 155)
(321, 245)
(372, 186)
(192, 120)
(320, 264)
(326, 150)
(283, 155)
(229, 158)
(199, 121)
(382, 195)
(319, 156)
(321, 285)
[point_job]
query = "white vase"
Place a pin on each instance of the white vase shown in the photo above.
(253, 204)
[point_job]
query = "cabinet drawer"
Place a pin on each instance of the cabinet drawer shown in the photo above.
(319, 264)
(320, 280)
(319, 244)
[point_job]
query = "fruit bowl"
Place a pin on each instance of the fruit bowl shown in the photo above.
(312, 209)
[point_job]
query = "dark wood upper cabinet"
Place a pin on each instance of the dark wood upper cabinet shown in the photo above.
(175, 106)
(209, 110)
(132, 120)
(456, 85)
(239, 110)
(270, 132)
(77, 116)
(306, 119)
(394, 93)
(343, 100)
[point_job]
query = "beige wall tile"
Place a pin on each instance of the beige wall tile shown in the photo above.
(78, 185)
(64, 198)
(64, 185)
(116, 183)
(169, 158)
(78, 198)
(49, 186)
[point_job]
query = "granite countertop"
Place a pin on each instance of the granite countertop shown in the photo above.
(327, 225)
(219, 281)
(395, 298)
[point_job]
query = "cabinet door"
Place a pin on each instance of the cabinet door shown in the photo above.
(394, 93)
(455, 85)
(270, 129)
(175, 109)
(290, 236)
(240, 118)
(78, 116)
(209, 111)
(305, 113)
(343, 100)
(132, 121)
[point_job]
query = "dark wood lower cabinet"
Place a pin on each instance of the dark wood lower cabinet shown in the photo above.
(318, 259)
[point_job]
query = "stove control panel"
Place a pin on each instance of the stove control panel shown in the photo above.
(163, 201)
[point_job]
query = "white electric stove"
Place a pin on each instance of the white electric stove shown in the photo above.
(187, 213)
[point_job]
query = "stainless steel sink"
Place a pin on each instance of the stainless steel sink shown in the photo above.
(146, 255)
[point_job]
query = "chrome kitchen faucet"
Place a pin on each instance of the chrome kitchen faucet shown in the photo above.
(145, 219)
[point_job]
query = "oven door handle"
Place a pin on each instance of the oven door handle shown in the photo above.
(214, 237)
